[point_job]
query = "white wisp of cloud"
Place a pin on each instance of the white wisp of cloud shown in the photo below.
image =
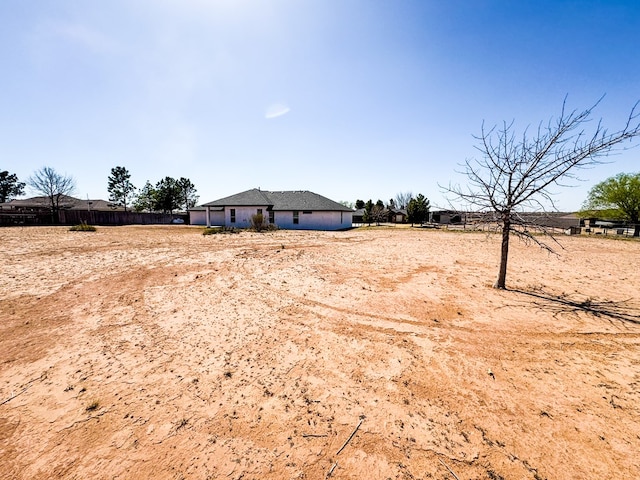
(276, 110)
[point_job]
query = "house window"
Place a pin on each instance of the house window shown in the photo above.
(259, 211)
(307, 212)
(296, 217)
(272, 218)
(232, 215)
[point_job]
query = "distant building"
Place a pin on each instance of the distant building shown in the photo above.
(38, 210)
(71, 211)
(396, 215)
(43, 204)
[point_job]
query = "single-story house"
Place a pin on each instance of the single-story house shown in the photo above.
(445, 217)
(43, 204)
(38, 210)
(397, 215)
(299, 210)
(358, 215)
(71, 211)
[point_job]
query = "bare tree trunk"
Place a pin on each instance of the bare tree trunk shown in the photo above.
(501, 282)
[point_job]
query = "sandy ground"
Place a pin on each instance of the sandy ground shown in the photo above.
(157, 352)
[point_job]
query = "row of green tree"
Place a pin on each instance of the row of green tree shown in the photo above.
(166, 196)
(417, 208)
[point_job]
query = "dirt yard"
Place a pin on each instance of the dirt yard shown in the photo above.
(157, 352)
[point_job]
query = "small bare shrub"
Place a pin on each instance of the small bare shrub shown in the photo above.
(258, 222)
(83, 227)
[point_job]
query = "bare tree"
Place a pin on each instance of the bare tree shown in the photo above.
(402, 199)
(515, 174)
(52, 185)
(378, 214)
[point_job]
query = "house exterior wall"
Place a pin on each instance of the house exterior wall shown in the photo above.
(243, 215)
(199, 217)
(317, 220)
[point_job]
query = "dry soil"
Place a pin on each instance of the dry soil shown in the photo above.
(157, 352)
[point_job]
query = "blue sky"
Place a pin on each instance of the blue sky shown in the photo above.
(351, 99)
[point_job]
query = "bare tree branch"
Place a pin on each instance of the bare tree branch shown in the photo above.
(52, 185)
(515, 174)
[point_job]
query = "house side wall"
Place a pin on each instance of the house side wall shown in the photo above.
(199, 217)
(316, 220)
(243, 215)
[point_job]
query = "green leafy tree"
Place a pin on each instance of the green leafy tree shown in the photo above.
(411, 209)
(121, 190)
(418, 209)
(617, 198)
(168, 196)
(377, 213)
(517, 171)
(10, 187)
(188, 197)
(145, 201)
(359, 204)
(52, 185)
(368, 210)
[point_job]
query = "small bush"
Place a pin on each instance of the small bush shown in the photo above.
(83, 227)
(216, 230)
(93, 406)
(260, 224)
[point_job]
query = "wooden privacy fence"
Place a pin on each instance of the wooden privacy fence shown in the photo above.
(93, 217)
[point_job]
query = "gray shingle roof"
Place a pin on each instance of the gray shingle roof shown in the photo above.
(242, 199)
(287, 200)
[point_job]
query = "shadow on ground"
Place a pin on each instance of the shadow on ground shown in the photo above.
(625, 310)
